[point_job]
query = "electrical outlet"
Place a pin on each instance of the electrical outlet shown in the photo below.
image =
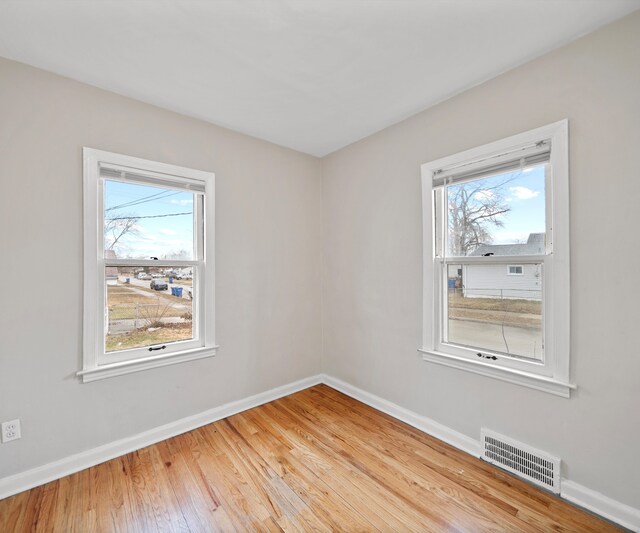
(11, 430)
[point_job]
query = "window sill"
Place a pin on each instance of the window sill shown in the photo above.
(526, 379)
(127, 367)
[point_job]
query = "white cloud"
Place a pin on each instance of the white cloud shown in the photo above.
(166, 231)
(523, 193)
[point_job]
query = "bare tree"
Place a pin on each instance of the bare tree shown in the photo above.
(117, 227)
(177, 254)
(474, 210)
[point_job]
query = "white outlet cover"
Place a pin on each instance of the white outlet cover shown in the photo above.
(11, 430)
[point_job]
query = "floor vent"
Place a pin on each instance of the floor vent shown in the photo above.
(527, 462)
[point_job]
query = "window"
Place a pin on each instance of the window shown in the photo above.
(148, 264)
(496, 260)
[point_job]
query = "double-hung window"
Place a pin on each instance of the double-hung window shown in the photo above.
(496, 260)
(515, 270)
(148, 264)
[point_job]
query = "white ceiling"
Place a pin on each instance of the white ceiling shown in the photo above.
(313, 75)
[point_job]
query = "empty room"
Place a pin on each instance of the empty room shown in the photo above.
(319, 265)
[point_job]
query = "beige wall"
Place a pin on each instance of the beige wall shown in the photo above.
(373, 258)
(267, 266)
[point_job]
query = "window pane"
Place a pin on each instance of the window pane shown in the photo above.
(498, 215)
(142, 221)
(146, 307)
(488, 309)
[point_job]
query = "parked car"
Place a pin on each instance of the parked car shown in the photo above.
(159, 285)
(143, 275)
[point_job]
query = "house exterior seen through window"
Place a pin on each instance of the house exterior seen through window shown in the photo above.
(496, 259)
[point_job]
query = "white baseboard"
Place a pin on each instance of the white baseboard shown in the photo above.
(433, 428)
(69, 465)
(601, 505)
(596, 502)
(580, 495)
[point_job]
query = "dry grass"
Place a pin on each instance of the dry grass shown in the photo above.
(532, 307)
(510, 312)
(146, 312)
(496, 317)
(140, 338)
(119, 295)
(122, 302)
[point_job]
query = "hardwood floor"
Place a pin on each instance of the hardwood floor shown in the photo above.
(316, 460)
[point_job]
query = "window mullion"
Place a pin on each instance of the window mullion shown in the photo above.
(150, 262)
(495, 259)
(199, 228)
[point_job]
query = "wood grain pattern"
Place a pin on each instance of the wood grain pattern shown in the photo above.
(313, 461)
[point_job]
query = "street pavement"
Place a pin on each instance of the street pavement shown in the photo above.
(522, 341)
(147, 282)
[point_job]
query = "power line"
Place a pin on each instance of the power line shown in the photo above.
(150, 216)
(145, 199)
(138, 200)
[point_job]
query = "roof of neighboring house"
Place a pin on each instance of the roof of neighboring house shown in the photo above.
(110, 272)
(534, 246)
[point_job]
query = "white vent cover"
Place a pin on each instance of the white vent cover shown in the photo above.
(527, 462)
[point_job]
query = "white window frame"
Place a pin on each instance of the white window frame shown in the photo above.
(552, 374)
(97, 363)
(521, 273)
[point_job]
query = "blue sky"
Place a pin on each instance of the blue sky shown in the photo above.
(153, 237)
(524, 193)
(165, 235)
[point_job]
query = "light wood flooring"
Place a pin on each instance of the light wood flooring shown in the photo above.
(313, 461)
